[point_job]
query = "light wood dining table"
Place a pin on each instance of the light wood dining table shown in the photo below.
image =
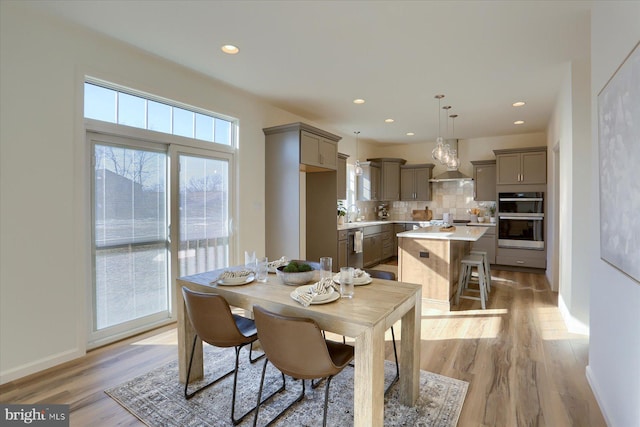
(373, 309)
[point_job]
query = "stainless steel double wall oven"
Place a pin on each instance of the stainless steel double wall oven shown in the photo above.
(521, 220)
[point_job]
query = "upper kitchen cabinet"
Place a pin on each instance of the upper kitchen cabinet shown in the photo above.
(294, 201)
(368, 184)
(484, 180)
(318, 150)
(341, 170)
(521, 166)
(390, 178)
(414, 182)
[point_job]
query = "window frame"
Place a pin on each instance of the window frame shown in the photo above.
(171, 144)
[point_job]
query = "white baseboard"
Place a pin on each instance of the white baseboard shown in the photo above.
(574, 326)
(596, 392)
(39, 365)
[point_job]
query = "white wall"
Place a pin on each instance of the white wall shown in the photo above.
(44, 204)
(614, 349)
(569, 127)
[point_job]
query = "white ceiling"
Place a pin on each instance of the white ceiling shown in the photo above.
(314, 57)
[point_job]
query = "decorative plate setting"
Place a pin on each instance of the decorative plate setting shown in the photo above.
(236, 281)
(318, 299)
(361, 281)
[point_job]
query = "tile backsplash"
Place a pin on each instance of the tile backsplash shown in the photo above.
(454, 197)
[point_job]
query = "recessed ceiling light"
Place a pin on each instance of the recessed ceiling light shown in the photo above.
(358, 101)
(410, 133)
(518, 122)
(389, 120)
(518, 104)
(230, 49)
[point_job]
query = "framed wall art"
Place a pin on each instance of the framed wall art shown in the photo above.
(619, 147)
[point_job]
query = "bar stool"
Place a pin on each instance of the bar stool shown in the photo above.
(467, 265)
(487, 268)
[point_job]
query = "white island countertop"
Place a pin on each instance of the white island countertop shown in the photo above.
(462, 232)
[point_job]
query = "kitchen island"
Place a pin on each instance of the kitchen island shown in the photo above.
(431, 257)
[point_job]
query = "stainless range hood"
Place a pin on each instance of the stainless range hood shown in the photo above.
(451, 174)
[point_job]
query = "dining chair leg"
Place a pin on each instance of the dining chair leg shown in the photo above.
(257, 408)
(237, 421)
(188, 395)
(254, 360)
(395, 354)
(326, 400)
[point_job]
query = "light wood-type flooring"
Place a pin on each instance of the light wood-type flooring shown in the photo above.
(523, 367)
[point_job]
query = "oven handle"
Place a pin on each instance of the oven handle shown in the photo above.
(526, 218)
(516, 199)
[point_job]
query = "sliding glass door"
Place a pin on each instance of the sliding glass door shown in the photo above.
(203, 212)
(130, 236)
(160, 211)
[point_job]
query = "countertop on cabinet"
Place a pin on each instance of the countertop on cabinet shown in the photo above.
(358, 224)
(462, 233)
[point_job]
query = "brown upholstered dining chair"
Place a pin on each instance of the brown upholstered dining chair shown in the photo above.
(296, 347)
(214, 324)
(388, 275)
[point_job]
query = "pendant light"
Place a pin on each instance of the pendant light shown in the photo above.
(454, 161)
(445, 158)
(438, 151)
(358, 169)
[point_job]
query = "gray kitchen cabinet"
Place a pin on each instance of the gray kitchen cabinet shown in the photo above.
(521, 166)
(397, 228)
(389, 178)
(387, 242)
(368, 184)
(318, 150)
(341, 172)
(372, 245)
(521, 257)
(414, 182)
(487, 243)
(342, 250)
(484, 180)
(287, 196)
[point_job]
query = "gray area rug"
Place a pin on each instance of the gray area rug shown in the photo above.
(157, 398)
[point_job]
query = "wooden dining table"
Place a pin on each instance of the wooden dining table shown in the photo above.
(373, 309)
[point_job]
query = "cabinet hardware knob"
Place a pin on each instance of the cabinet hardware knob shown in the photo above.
(519, 262)
(424, 254)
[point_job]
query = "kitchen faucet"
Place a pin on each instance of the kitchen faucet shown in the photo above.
(349, 212)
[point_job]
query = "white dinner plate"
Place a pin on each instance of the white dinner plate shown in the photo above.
(236, 281)
(317, 298)
(356, 282)
(333, 296)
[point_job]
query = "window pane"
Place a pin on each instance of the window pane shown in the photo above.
(158, 117)
(129, 195)
(204, 127)
(131, 282)
(131, 242)
(223, 132)
(182, 122)
(204, 207)
(137, 111)
(99, 103)
(131, 110)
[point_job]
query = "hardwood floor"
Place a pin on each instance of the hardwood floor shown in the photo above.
(523, 367)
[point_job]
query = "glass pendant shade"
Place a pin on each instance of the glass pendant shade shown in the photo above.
(358, 170)
(454, 162)
(438, 151)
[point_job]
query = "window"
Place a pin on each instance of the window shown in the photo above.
(130, 109)
(130, 235)
(162, 205)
